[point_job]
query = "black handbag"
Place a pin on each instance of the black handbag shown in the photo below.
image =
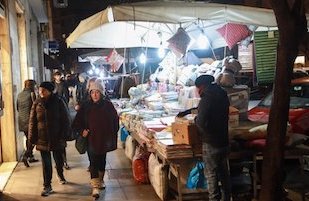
(81, 144)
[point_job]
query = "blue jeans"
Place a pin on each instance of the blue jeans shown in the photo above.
(47, 165)
(97, 163)
(216, 170)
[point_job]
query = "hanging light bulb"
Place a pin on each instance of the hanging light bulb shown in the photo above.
(161, 52)
(90, 72)
(202, 41)
(142, 58)
(97, 71)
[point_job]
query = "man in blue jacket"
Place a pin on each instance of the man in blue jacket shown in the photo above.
(212, 122)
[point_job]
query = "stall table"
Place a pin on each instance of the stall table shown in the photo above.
(179, 166)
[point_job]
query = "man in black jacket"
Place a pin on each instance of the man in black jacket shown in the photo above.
(212, 122)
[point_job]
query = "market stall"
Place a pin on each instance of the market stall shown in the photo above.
(148, 117)
(177, 152)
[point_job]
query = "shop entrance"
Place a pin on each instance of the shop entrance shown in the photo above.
(1, 103)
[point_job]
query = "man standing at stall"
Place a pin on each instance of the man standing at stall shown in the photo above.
(212, 122)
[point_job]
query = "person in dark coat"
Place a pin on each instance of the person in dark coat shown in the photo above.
(81, 89)
(212, 122)
(98, 121)
(24, 104)
(62, 89)
(48, 126)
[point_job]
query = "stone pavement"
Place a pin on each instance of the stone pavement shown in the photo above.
(25, 184)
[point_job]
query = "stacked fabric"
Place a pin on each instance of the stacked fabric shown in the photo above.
(188, 97)
(169, 150)
(155, 105)
(145, 114)
(147, 128)
(169, 96)
(188, 75)
(129, 119)
(173, 108)
(156, 97)
(163, 135)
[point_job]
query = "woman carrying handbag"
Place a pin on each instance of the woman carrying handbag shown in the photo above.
(98, 121)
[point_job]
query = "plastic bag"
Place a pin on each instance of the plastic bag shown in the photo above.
(196, 178)
(123, 134)
(140, 165)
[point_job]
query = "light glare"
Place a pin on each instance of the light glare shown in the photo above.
(143, 58)
(203, 42)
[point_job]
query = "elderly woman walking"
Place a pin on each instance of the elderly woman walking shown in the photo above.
(98, 121)
(49, 124)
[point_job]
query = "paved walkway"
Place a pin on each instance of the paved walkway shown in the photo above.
(25, 184)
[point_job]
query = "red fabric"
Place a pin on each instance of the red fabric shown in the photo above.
(115, 60)
(258, 144)
(233, 33)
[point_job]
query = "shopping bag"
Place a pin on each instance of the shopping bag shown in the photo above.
(196, 178)
(123, 134)
(81, 144)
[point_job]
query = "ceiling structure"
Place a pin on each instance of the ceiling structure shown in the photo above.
(66, 19)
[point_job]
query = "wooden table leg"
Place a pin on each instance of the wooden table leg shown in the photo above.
(179, 188)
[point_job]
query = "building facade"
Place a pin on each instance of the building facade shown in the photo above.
(22, 39)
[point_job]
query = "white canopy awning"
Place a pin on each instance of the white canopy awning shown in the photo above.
(149, 24)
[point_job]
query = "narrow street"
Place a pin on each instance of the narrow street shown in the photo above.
(25, 184)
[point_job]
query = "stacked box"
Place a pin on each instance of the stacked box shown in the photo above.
(239, 98)
(187, 133)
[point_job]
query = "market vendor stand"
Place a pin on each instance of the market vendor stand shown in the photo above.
(179, 159)
(289, 154)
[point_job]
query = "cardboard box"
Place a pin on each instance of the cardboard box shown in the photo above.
(187, 133)
(184, 133)
(239, 97)
(233, 117)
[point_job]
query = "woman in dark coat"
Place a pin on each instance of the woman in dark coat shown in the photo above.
(48, 126)
(24, 103)
(97, 120)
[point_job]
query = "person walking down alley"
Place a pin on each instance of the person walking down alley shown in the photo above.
(98, 121)
(212, 122)
(81, 90)
(48, 126)
(62, 89)
(24, 103)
